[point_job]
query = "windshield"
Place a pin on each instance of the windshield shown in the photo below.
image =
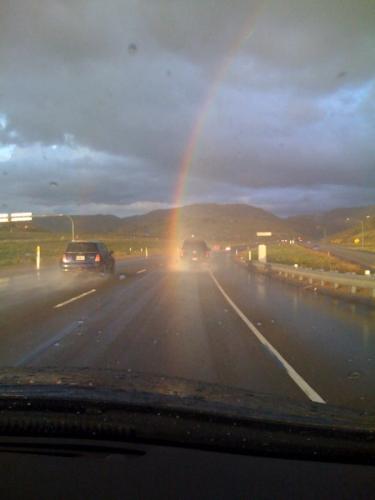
(242, 130)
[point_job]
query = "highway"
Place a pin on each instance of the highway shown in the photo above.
(361, 257)
(220, 324)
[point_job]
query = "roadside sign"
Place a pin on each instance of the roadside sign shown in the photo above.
(21, 217)
(262, 253)
(264, 233)
(4, 217)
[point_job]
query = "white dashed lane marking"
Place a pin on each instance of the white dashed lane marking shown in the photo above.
(73, 299)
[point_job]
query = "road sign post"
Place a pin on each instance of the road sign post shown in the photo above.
(262, 253)
(38, 257)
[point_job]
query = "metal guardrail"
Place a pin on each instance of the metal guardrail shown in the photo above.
(354, 282)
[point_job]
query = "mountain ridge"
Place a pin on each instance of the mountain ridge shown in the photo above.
(235, 221)
(212, 220)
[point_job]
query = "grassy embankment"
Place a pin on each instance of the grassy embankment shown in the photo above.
(305, 257)
(353, 239)
(19, 248)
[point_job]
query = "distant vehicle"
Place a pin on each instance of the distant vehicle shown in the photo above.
(228, 249)
(195, 251)
(89, 256)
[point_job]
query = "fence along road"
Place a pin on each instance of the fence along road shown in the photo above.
(347, 280)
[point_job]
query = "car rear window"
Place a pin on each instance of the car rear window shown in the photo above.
(195, 245)
(82, 247)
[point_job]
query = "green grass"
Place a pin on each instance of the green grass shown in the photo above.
(19, 248)
(304, 257)
(353, 239)
(365, 249)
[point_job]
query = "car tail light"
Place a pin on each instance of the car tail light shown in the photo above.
(97, 258)
(65, 259)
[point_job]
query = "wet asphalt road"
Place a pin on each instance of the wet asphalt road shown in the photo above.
(219, 324)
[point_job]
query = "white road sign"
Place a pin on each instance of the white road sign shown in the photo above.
(264, 233)
(21, 217)
(4, 217)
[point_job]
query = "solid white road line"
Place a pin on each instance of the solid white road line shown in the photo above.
(141, 271)
(297, 379)
(62, 304)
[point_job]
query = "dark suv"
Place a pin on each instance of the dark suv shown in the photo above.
(195, 251)
(88, 255)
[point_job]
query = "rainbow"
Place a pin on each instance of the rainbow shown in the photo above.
(200, 122)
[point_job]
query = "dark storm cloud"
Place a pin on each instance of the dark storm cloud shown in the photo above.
(116, 87)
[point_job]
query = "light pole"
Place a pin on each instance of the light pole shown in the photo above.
(324, 232)
(362, 228)
(72, 222)
(61, 215)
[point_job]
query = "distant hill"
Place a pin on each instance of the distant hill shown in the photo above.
(232, 222)
(211, 221)
(235, 222)
(315, 226)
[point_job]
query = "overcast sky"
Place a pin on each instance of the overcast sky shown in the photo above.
(98, 101)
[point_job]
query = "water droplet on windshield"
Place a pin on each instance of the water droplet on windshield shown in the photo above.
(132, 48)
(354, 375)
